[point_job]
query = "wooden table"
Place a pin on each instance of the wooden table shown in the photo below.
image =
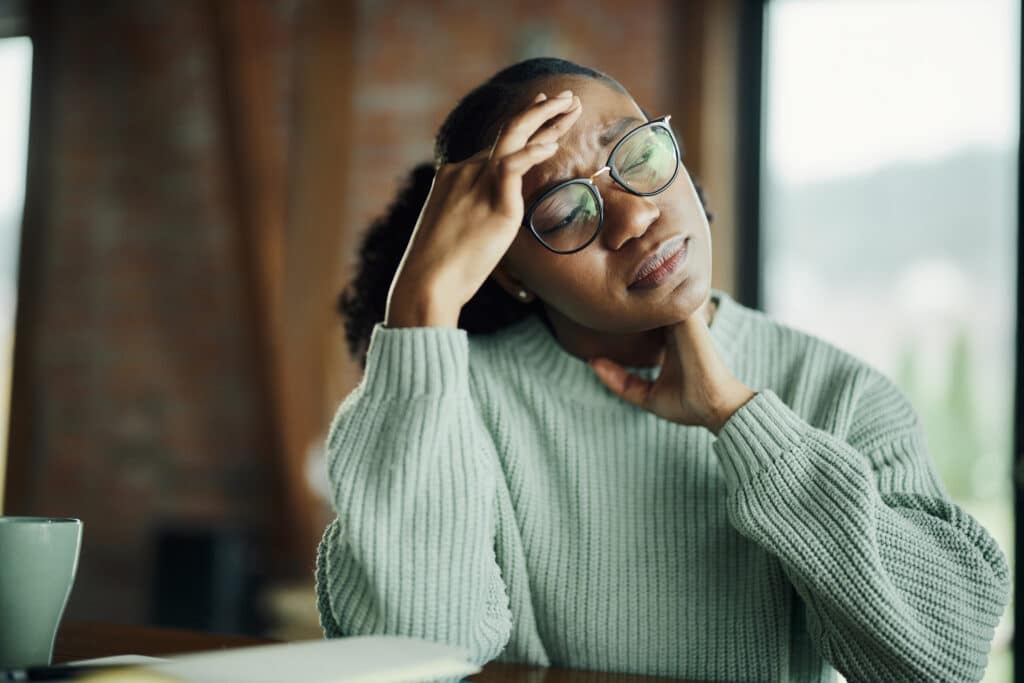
(86, 640)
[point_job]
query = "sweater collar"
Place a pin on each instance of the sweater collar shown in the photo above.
(535, 345)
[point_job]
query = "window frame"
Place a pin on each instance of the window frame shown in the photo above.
(750, 135)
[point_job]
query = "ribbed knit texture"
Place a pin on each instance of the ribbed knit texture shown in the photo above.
(491, 493)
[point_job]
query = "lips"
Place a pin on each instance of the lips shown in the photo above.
(662, 263)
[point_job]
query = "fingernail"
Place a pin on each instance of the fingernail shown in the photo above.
(564, 93)
(540, 98)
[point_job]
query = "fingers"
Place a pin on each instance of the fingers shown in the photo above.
(554, 127)
(558, 126)
(520, 129)
(512, 168)
(691, 339)
(464, 173)
(621, 383)
(482, 155)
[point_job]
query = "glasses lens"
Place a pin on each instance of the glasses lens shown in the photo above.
(646, 161)
(567, 219)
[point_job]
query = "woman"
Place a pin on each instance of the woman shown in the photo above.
(567, 449)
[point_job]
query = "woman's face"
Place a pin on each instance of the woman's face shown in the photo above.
(591, 288)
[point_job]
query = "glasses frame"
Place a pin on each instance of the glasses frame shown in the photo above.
(663, 122)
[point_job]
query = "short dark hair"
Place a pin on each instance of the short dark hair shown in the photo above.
(467, 129)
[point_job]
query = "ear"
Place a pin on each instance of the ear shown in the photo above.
(505, 278)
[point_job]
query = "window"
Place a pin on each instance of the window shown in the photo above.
(888, 215)
(15, 76)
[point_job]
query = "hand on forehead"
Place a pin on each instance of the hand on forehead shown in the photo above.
(603, 106)
(607, 114)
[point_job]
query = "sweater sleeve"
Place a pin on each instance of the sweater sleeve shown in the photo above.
(413, 475)
(899, 584)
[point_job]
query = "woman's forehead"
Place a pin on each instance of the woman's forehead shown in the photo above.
(607, 115)
(596, 94)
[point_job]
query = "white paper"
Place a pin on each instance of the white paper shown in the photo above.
(360, 659)
(118, 660)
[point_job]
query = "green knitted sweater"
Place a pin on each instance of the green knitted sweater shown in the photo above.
(492, 493)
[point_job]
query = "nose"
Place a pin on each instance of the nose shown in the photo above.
(626, 216)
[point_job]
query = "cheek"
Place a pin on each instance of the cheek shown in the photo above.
(694, 210)
(563, 281)
(683, 212)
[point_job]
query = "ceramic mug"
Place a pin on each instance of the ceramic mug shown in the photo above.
(38, 560)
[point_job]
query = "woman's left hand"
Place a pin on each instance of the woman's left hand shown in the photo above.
(694, 387)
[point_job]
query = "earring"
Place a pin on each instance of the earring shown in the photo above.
(522, 294)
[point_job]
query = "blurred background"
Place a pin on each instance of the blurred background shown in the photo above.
(184, 184)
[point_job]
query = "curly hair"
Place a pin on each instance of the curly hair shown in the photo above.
(467, 129)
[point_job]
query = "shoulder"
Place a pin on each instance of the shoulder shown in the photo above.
(826, 384)
(523, 366)
(497, 360)
(764, 331)
(767, 340)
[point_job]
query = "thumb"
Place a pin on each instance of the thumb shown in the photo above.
(623, 384)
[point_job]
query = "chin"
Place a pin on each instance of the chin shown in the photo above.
(681, 306)
(628, 316)
(685, 300)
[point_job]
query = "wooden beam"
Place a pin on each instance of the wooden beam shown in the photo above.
(686, 89)
(318, 182)
(291, 202)
(253, 87)
(704, 53)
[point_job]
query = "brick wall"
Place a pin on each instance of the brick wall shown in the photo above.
(416, 59)
(135, 362)
(140, 397)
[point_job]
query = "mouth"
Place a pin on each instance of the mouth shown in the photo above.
(657, 267)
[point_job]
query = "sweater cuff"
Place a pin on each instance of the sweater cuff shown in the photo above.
(763, 430)
(405, 362)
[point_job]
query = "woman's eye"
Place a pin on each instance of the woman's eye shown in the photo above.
(565, 222)
(642, 160)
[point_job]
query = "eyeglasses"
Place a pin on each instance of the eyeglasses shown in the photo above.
(569, 216)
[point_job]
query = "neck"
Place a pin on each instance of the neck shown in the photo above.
(635, 349)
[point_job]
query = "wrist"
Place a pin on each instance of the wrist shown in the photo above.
(735, 400)
(419, 306)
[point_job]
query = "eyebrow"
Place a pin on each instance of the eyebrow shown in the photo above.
(610, 135)
(615, 131)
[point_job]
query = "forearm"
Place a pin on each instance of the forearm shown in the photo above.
(903, 586)
(416, 301)
(413, 483)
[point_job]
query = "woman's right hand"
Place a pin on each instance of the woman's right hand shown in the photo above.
(471, 216)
